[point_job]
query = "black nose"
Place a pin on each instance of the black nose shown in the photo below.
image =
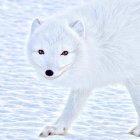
(49, 72)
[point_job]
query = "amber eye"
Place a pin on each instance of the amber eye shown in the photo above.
(65, 53)
(41, 52)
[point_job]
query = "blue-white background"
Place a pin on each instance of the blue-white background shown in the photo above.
(27, 104)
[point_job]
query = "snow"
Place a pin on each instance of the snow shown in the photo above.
(27, 104)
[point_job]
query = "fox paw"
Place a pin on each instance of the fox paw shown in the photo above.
(135, 131)
(53, 130)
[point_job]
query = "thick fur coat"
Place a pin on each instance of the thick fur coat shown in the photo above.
(103, 44)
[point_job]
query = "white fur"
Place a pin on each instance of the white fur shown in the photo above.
(103, 39)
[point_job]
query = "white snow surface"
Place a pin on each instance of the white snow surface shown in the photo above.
(27, 104)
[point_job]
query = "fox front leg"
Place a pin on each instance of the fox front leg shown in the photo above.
(76, 101)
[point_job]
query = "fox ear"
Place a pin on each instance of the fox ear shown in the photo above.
(78, 27)
(36, 23)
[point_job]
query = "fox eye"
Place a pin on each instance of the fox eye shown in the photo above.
(65, 53)
(41, 52)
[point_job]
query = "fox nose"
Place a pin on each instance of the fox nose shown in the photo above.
(49, 72)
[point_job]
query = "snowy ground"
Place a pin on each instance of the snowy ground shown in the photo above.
(27, 105)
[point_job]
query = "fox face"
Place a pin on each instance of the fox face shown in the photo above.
(53, 47)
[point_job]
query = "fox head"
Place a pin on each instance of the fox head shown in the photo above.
(53, 47)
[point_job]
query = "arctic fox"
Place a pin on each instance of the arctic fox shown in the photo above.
(89, 47)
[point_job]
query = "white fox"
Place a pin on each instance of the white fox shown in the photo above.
(91, 46)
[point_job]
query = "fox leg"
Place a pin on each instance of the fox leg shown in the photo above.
(76, 101)
(134, 90)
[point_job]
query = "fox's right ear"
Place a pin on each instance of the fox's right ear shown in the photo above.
(36, 23)
(78, 27)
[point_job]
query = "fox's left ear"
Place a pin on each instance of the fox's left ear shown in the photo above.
(78, 27)
(36, 23)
